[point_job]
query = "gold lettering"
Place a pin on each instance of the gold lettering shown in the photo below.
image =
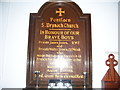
(48, 49)
(44, 59)
(73, 76)
(62, 25)
(76, 76)
(53, 32)
(48, 76)
(67, 37)
(47, 32)
(43, 42)
(51, 67)
(75, 42)
(42, 32)
(42, 24)
(52, 37)
(55, 56)
(41, 76)
(59, 49)
(58, 43)
(66, 32)
(52, 70)
(67, 70)
(74, 33)
(59, 19)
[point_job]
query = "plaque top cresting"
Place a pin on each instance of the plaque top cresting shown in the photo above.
(60, 1)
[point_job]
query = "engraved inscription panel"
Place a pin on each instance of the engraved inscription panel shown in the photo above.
(59, 44)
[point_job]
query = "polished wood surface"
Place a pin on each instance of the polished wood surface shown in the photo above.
(111, 78)
(59, 45)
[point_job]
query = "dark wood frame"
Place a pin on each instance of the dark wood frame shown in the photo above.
(30, 83)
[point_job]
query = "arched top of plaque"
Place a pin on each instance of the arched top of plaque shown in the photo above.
(60, 8)
(60, 1)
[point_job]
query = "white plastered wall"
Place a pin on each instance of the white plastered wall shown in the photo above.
(119, 35)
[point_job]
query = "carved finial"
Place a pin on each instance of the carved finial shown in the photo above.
(111, 74)
(111, 78)
(111, 62)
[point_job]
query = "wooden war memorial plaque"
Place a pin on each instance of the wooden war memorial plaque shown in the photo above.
(59, 45)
